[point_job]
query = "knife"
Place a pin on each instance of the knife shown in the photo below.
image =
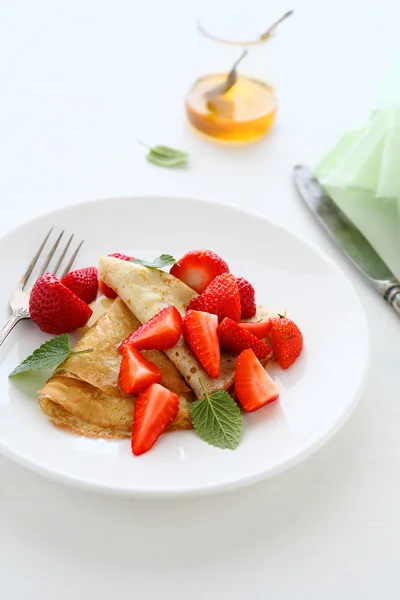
(346, 235)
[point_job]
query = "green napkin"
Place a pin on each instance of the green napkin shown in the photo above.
(362, 175)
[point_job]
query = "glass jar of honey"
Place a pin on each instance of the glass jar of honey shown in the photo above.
(233, 99)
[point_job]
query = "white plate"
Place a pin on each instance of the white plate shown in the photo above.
(317, 394)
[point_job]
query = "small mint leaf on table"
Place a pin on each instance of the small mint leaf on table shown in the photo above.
(163, 156)
(217, 419)
(165, 260)
(48, 356)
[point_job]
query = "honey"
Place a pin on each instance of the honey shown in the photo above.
(243, 114)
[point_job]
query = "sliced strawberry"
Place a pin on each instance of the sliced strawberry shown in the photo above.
(83, 282)
(234, 339)
(247, 298)
(105, 289)
(287, 341)
(136, 372)
(260, 330)
(160, 333)
(155, 409)
(221, 298)
(254, 387)
(200, 333)
(54, 308)
(199, 268)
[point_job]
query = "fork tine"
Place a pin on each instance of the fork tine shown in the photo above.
(71, 261)
(33, 262)
(51, 254)
(63, 253)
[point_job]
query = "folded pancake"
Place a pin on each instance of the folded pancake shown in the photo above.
(83, 395)
(147, 291)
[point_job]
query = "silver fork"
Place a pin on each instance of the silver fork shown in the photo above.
(19, 301)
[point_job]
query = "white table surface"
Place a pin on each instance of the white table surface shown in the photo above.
(81, 81)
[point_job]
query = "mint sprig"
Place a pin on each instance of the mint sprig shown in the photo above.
(165, 260)
(164, 156)
(48, 356)
(217, 419)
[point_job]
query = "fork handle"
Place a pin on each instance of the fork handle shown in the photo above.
(9, 325)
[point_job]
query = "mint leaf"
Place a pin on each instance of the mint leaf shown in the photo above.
(217, 419)
(165, 260)
(163, 156)
(48, 356)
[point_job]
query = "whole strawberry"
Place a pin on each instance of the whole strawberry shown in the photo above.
(247, 298)
(221, 298)
(105, 289)
(286, 340)
(54, 308)
(83, 282)
(199, 268)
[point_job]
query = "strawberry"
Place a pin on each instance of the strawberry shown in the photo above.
(160, 333)
(200, 332)
(103, 288)
(221, 298)
(287, 341)
(234, 339)
(136, 372)
(254, 387)
(54, 308)
(260, 330)
(247, 298)
(199, 268)
(83, 282)
(155, 408)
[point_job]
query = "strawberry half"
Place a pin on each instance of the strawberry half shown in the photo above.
(54, 308)
(136, 372)
(254, 387)
(83, 282)
(105, 289)
(155, 409)
(200, 333)
(247, 298)
(287, 341)
(221, 298)
(234, 339)
(199, 268)
(160, 333)
(260, 330)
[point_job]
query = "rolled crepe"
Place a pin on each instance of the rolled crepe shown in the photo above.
(147, 291)
(83, 396)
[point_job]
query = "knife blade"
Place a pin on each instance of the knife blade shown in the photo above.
(346, 235)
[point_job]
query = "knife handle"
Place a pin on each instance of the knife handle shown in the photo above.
(392, 295)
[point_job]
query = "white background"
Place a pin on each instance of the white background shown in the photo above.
(80, 82)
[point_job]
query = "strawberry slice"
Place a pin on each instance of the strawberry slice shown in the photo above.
(136, 372)
(260, 330)
(155, 408)
(198, 268)
(254, 387)
(200, 333)
(221, 298)
(287, 341)
(160, 333)
(105, 289)
(234, 339)
(83, 282)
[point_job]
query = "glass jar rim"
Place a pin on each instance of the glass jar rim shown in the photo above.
(219, 32)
